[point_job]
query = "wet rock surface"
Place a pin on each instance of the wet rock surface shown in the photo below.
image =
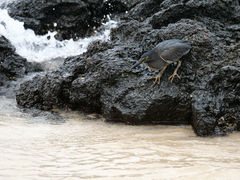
(69, 18)
(101, 81)
(218, 107)
(13, 66)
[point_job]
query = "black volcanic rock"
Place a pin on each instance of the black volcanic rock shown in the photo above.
(218, 108)
(226, 11)
(101, 81)
(12, 65)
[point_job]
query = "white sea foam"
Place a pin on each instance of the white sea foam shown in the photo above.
(42, 48)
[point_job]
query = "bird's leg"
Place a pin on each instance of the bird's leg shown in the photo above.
(158, 77)
(175, 72)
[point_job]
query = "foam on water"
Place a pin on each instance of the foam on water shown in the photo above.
(42, 48)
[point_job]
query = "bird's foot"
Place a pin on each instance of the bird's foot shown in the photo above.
(173, 75)
(157, 80)
(158, 77)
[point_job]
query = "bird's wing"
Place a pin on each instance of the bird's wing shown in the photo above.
(174, 52)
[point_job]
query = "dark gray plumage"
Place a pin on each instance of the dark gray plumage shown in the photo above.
(165, 53)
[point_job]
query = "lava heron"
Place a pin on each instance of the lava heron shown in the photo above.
(165, 53)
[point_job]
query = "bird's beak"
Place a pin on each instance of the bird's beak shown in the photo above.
(137, 63)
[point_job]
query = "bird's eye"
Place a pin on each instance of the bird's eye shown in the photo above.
(146, 57)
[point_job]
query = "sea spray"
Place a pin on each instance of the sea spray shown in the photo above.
(40, 48)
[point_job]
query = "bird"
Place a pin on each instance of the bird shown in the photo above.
(165, 53)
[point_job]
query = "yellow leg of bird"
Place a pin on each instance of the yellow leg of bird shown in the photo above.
(175, 72)
(158, 77)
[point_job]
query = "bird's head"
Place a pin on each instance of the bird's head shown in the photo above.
(145, 58)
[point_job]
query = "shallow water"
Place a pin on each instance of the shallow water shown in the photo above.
(79, 146)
